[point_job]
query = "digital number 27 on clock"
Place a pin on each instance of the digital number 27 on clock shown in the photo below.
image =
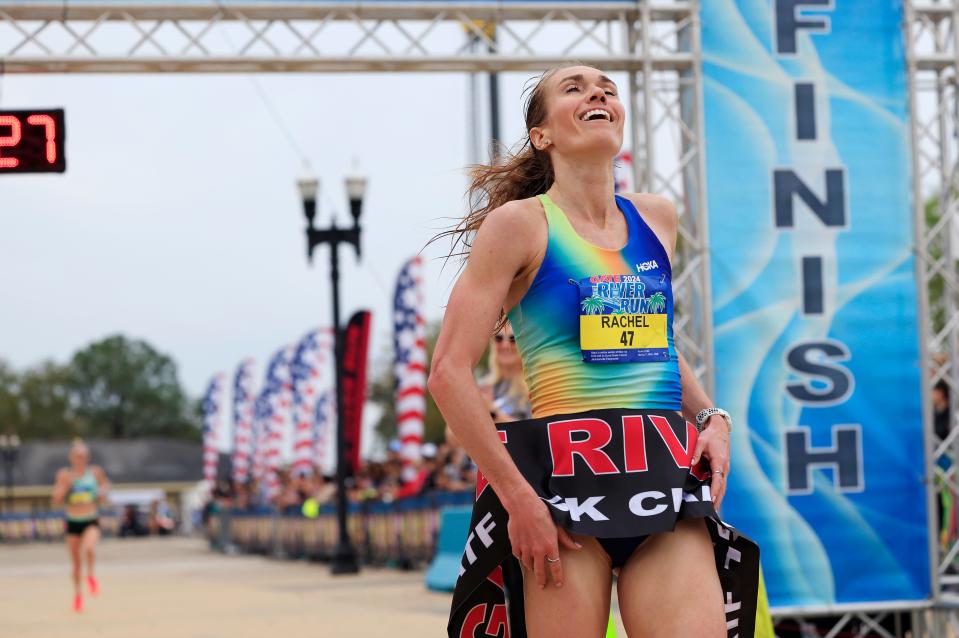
(16, 134)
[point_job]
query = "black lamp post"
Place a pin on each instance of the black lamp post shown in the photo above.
(9, 449)
(344, 557)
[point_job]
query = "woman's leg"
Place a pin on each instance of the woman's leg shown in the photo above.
(669, 586)
(73, 545)
(88, 545)
(578, 609)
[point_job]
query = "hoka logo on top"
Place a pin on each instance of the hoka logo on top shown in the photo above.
(647, 266)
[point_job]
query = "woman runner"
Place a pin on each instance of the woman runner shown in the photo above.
(81, 488)
(584, 277)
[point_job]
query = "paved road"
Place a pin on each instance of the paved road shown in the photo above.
(177, 588)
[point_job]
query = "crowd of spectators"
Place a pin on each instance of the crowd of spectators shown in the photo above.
(442, 467)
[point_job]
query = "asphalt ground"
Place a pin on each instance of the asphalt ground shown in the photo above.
(178, 588)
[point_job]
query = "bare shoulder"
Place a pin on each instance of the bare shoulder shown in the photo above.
(98, 471)
(515, 219)
(661, 209)
(511, 233)
(62, 475)
(660, 213)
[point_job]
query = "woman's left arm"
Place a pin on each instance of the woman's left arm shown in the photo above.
(713, 441)
(103, 482)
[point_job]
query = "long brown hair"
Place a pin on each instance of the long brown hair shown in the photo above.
(524, 172)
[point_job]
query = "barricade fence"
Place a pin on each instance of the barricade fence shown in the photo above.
(401, 533)
(47, 526)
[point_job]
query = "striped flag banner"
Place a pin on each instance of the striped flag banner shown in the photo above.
(272, 412)
(322, 420)
(311, 355)
(410, 364)
(211, 406)
(243, 403)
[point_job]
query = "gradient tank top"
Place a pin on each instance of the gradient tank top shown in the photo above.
(595, 328)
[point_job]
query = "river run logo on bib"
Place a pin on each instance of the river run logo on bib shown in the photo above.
(620, 294)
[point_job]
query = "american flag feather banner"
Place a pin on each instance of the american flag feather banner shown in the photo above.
(262, 410)
(322, 417)
(243, 399)
(410, 365)
(311, 355)
(212, 403)
(272, 419)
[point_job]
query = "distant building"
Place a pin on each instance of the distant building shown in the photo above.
(140, 465)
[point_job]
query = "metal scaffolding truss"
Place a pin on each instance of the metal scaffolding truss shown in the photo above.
(223, 37)
(933, 46)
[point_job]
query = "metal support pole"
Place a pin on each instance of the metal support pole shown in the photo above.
(344, 556)
(344, 559)
(635, 136)
(8, 466)
(649, 161)
(494, 119)
(698, 206)
(925, 322)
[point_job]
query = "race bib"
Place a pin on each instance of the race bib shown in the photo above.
(622, 318)
(80, 498)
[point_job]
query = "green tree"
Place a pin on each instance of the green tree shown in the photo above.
(44, 400)
(124, 388)
(36, 403)
(10, 416)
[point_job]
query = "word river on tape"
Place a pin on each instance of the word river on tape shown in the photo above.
(623, 318)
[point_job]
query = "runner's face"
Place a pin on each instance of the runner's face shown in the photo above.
(79, 455)
(585, 113)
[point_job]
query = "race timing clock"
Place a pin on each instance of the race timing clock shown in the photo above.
(32, 141)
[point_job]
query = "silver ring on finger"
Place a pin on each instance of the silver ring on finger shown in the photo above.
(552, 560)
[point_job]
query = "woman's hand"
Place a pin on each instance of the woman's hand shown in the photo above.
(534, 537)
(713, 443)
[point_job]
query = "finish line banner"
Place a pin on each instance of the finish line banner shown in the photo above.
(814, 295)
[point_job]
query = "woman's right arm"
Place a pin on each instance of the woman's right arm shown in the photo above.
(60, 488)
(502, 249)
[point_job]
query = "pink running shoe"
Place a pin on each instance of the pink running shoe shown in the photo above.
(93, 585)
(78, 603)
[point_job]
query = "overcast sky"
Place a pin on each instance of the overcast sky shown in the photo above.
(178, 220)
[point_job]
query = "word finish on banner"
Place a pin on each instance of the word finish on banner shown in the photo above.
(814, 294)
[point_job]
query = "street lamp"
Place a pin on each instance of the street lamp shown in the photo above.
(344, 556)
(9, 449)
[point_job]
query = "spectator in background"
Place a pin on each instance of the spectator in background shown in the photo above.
(505, 386)
(130, 522)
(940, 410)
(159, 522)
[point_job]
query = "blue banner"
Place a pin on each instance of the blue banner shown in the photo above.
(814, 294)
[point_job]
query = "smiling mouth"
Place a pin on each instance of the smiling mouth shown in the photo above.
(596, 114)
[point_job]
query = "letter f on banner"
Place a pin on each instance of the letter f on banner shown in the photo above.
(789, 20)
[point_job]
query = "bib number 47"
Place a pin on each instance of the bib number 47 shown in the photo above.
(627, 338)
